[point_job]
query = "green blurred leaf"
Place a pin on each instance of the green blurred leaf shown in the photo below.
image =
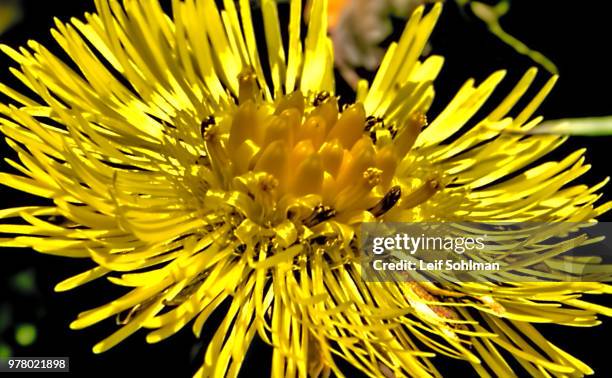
(595, 126)
(5, 351)
(25, 334)
(24, 282)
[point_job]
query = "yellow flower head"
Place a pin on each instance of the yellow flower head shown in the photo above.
(192, 176)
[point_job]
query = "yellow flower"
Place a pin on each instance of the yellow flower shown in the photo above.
(192, 176)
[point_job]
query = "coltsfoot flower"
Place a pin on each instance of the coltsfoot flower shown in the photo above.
(192, 175)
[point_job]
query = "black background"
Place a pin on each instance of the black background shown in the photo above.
(575, 35)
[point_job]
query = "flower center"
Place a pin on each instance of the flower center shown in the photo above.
(303, 151)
